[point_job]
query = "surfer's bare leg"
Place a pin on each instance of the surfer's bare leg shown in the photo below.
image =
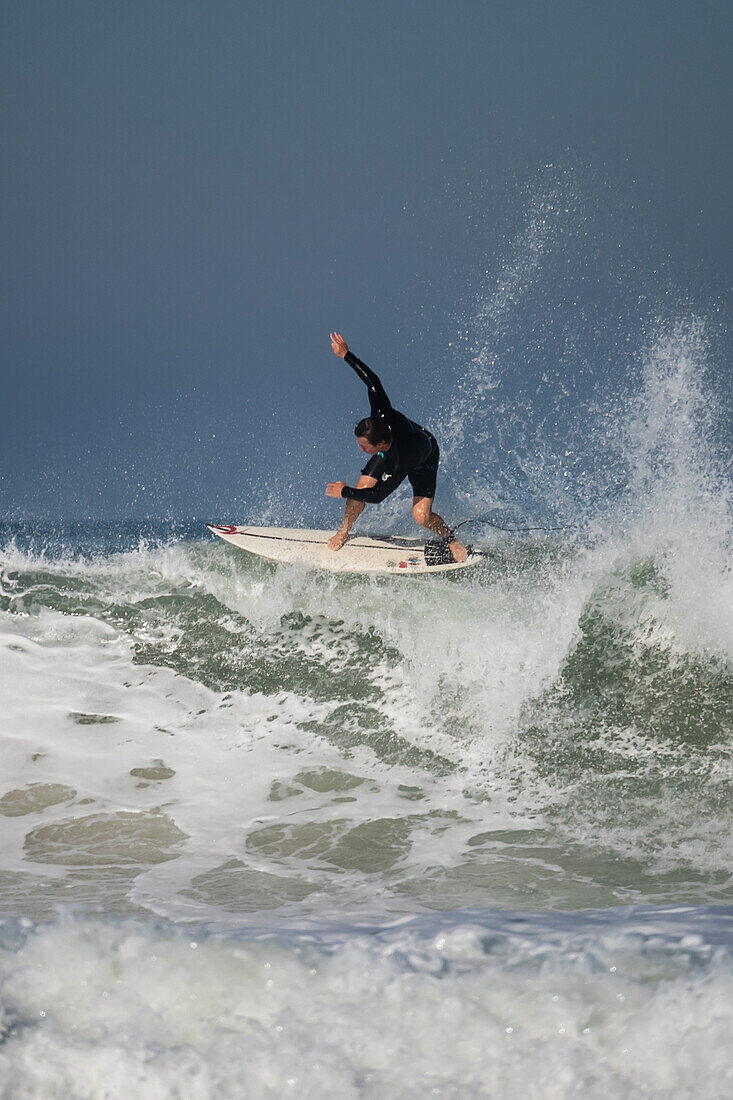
(352, 511)
(422, 510)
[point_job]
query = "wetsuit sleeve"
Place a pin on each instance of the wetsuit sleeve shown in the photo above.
(375, 495)
(374, 468)
(378, 400)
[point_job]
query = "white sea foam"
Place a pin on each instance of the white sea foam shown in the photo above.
(462, 1006)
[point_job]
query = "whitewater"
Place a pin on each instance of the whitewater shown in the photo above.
(272, 832)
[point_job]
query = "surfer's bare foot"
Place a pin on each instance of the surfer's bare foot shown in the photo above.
(458, 550)
(337, 541)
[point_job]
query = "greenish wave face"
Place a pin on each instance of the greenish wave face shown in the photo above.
(634, 737)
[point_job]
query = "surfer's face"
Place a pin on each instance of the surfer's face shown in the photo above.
(367, 447)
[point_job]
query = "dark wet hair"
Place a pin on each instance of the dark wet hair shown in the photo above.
(373, 430)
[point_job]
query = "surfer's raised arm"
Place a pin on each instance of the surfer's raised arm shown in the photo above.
(378, 400)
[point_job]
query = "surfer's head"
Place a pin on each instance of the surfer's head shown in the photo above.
(372, 435)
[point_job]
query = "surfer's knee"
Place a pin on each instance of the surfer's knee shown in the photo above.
(422, 511)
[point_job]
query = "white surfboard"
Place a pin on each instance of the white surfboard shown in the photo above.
(360, 553)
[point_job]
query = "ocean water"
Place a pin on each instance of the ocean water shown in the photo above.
(269, 832)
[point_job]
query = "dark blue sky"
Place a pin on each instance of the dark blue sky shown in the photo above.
(195, 194)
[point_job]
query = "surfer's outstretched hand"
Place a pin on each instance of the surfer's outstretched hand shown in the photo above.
(339, 345)
(333, 489)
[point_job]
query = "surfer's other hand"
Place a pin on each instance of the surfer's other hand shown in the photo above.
(339, 345)
(333, 489)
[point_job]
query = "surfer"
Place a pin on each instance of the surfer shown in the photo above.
(398, 449)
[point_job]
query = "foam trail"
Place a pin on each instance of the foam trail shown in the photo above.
(611, 1007)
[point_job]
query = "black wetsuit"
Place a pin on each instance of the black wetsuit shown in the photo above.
(413, 454)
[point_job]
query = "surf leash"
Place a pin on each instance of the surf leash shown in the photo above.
(515, 530)
(497, 526)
